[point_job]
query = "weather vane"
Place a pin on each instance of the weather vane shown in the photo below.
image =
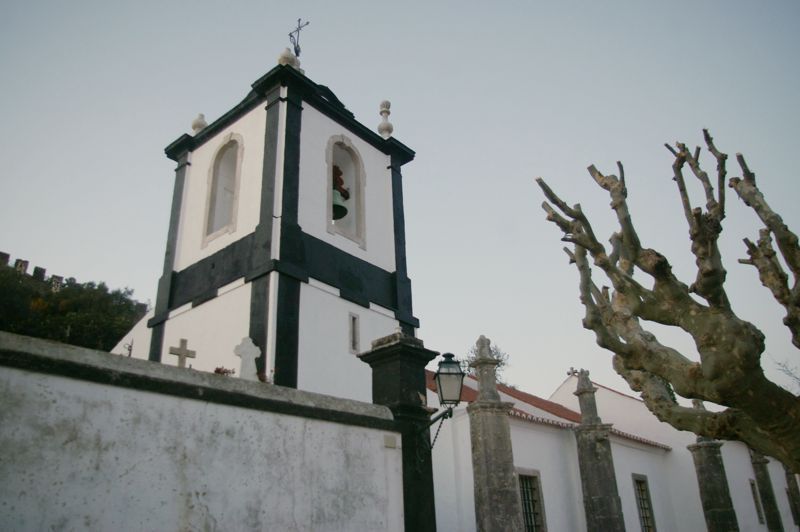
(294, 36)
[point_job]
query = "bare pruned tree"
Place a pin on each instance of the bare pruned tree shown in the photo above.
(759, 412)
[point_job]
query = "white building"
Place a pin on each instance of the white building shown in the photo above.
(259, 257)
(647, 454)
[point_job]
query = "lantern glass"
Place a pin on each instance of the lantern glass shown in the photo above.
(449, 379)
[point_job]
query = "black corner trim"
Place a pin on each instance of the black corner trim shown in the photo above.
(156, 342)
(260, 271)
(287, 332)
(354, 297)
(290, 270)
(202, 298)
(259, 310)
(294, 99)
(213, 272)
(184, 143)
(401, 154)
(358, 281)
(157, 319)
(273, 99)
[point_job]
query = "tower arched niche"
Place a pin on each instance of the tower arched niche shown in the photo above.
(342, 154)
(222, 197)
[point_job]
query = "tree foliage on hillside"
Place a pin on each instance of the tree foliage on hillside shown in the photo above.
(84, 314)
(759, 412)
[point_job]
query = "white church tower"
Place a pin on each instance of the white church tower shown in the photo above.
(287, 231)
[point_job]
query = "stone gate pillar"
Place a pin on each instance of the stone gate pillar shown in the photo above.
(601, 501)
(715, 494)
(793, 492)
(398, 381)
(498, 507)
(768, 502)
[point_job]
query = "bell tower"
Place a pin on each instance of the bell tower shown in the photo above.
(287, 231)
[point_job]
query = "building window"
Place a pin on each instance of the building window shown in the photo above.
(757, 501)
(355, 345)
(532, 505)
(643, 503)
(223, 185)
(345, 183)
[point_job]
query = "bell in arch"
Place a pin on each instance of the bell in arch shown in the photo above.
(339, 208)
(340, 194)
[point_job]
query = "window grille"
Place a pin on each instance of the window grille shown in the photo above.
(532, 506)
(757, 501)
(645, 507)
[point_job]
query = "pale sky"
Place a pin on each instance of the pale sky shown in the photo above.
(489, 94)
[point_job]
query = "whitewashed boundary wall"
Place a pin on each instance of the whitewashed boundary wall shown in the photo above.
(93, 441)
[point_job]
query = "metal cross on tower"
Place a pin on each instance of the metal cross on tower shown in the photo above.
(294, 36)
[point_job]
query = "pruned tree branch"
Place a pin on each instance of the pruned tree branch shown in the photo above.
(722, 159)
(729, 371)
(704, 227)
(763, 256)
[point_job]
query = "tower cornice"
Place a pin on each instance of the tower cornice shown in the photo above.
(318, 96)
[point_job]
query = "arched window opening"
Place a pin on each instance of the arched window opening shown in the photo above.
(345, 184)
(222, 190)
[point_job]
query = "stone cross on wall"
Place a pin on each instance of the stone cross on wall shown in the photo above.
(182, 352)
(248, 352)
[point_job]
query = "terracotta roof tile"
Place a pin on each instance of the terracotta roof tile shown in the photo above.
(543, 404)
(468, 395)
(573, 418)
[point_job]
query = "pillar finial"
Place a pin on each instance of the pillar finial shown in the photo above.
(287, 58)
(385, 128)
(199, 123)
(585, 392)
(485, 365)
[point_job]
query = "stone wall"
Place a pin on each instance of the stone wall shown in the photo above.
(93, 441)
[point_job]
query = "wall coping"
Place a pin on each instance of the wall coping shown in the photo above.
(54, 358)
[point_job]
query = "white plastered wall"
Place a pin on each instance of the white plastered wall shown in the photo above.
(325, 361)
(316, 131)
(633, 458)
(213, 329)
(452, 473)
(549, 450)
(552, 451)
(90, 456)
(739, 471)
(138, 338)
(191, 245)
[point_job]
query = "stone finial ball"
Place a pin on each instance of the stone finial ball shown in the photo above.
(386, 104)
(286, 57)
(199, 123)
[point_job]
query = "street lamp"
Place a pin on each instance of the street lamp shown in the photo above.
(449, 381)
